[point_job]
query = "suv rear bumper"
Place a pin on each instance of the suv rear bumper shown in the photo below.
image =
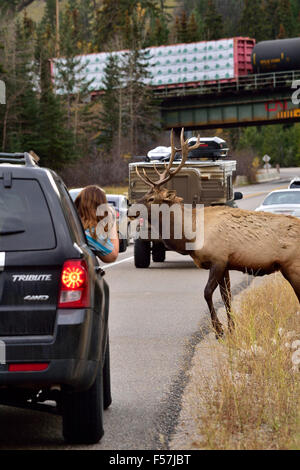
(71, 373)
(71, 356)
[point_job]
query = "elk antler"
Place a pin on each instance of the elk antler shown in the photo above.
(167, 174)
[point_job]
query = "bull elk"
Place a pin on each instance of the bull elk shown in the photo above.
(258, 243)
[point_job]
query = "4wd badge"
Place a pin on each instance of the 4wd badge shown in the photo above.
(40, 298)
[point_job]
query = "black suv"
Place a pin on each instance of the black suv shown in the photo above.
(53, 303)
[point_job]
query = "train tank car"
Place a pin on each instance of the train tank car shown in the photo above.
(276, 56)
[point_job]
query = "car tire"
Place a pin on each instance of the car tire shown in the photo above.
(158, 253)
(107, 399)
(82, 414)
(142, 253)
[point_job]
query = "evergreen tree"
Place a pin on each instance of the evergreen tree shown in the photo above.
(186, 28)
(23, 133)
(284, 17)
(271, 26)
(55, 141)
(228, 10)
(193, 33)
(279, 141)
(18, 115)
(50, 13)
(112, 19)
(295, 6)
(77, 21)
(282, 32)
(159, 32)
(86, 16)
(175, 30)
(139, 106)
(252, 21)
(140, 111)
(198, 5)
(199, 20)
(14, 6)
(70, 29)
(213, 22)
(182, 33)
(75, 89)
(111, 114)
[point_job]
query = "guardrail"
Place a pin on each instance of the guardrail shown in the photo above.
(236, 85)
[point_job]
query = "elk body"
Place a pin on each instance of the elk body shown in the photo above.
(258, 243)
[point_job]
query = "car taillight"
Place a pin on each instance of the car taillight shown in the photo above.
(74, 285)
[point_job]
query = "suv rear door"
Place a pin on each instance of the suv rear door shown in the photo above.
(29, 272)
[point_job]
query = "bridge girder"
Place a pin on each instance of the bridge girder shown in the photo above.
(195, 112)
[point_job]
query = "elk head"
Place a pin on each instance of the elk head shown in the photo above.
(157, 193)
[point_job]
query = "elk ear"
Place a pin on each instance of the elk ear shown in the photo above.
(171, 196)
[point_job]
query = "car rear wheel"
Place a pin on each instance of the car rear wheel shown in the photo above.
(122, 245)
(142, 253)
(82, 414)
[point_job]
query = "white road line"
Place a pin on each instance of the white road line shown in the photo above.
(106, 266)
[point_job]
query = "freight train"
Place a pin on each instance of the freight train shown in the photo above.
(192, 64)
(276, 56)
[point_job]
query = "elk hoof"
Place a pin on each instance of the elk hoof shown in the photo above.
(219, 334)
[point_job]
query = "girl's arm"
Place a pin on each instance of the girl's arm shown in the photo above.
(111, 257)
(107, 249)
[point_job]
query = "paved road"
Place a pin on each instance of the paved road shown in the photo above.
(155, 317)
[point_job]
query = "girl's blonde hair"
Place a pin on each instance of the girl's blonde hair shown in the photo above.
(87, 202)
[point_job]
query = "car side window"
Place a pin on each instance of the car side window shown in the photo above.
(71, 215)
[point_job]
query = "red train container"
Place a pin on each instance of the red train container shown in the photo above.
(243, 48)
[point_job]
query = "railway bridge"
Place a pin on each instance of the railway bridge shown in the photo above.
(261, 99)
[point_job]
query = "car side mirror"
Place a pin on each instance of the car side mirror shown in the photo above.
(238, 196)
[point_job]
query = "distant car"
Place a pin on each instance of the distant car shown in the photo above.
(283, 201)
(120, 204)
(295, 183)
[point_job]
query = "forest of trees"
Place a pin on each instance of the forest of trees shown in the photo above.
(88, 138)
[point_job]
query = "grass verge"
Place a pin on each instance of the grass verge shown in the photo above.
(244, 392)
(122, 190)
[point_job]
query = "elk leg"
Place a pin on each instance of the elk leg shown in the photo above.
(294, 280)
(225, 290)
(215, 275)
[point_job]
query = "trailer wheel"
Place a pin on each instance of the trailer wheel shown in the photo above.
(158, 253)
(142, 252)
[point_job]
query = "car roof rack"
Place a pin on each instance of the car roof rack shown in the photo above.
(29, 159)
